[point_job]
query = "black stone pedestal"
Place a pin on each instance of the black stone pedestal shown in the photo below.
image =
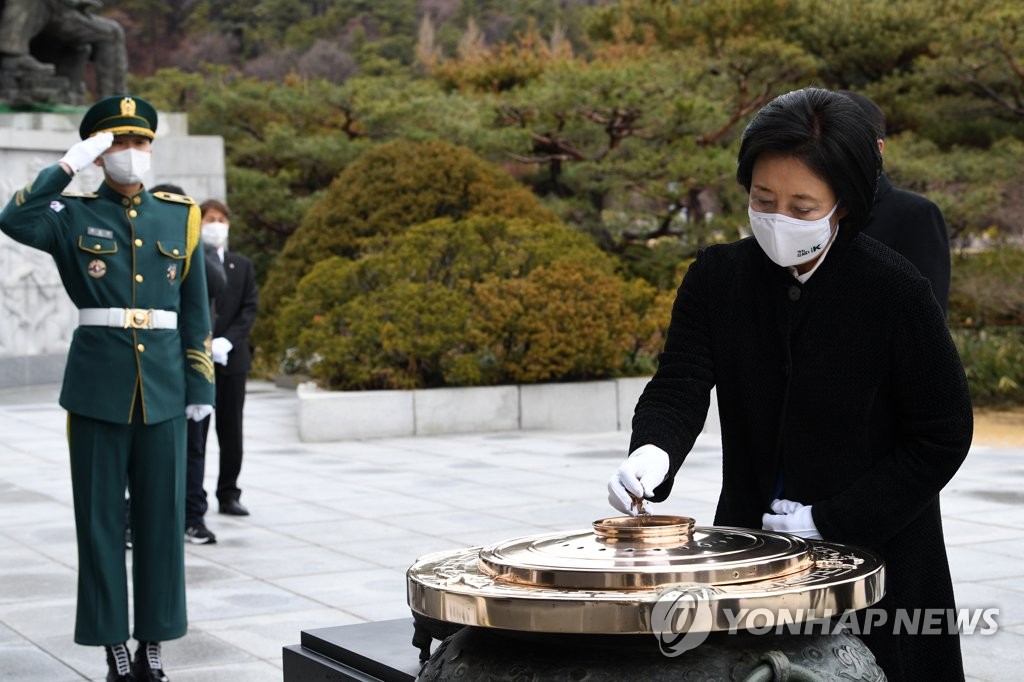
(365, 652)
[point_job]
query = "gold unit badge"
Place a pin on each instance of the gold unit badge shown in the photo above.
(97, 268)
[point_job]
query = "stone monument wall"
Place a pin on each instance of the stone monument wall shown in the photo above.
(36, 317)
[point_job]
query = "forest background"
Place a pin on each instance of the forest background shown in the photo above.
(463, 192)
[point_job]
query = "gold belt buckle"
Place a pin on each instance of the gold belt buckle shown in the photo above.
(137, 318)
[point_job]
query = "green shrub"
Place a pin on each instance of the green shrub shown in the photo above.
(384, 191)
(987, 288)
(481, 301)
(994, 361)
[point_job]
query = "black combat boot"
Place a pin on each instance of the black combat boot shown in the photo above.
(147, 666)
(119, 663)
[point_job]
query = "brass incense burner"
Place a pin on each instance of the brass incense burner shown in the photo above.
(609, 579)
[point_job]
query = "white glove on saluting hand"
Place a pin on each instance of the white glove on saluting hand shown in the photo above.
(643, 471)
(88, 150)
(220, 350)
(791, 517)
(198, 413)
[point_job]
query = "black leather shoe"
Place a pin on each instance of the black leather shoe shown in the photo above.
(234, 508)
(119, 664)
(147, 666)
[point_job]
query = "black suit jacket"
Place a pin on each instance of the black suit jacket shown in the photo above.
(849, 386)
(236, 312)
(913, 226)
(216, 279)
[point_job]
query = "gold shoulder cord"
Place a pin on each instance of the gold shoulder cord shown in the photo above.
(192, 236)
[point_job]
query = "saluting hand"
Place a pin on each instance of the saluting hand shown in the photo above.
(85, 152)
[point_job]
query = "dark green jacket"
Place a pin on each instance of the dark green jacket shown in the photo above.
(114, 251)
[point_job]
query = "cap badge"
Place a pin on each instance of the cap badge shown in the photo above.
(127, 106)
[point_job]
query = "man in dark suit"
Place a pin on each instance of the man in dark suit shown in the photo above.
(908, 223)
(235, 314)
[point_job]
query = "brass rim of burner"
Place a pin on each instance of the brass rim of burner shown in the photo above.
(650, 529)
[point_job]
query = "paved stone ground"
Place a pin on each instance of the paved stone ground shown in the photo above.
(334, 526)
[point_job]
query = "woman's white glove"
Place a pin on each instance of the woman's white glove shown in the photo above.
(791, 517)
(198, 413)
(88, 150)
(643, 471)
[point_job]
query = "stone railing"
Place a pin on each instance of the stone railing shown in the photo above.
(326, 416)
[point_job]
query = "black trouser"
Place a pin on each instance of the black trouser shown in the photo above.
(230, 403)
(195, 470)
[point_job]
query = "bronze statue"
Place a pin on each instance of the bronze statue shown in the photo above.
(46, 44)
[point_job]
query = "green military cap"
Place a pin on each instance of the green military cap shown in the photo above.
(121, 115)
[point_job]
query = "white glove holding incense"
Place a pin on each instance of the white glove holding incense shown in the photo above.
(636, 478)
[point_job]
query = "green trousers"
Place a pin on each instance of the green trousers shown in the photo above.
(150, 461)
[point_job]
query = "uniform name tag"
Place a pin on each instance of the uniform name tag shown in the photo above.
(99, 232)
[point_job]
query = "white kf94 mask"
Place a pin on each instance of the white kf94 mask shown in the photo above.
(790, 241)
(127, 166)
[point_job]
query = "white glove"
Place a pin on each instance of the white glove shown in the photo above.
(198, 413)
(88, 150)
(221, 348)
(643, 471)
(791, 517)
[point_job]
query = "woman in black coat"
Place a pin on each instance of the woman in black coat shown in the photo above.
(843, 402)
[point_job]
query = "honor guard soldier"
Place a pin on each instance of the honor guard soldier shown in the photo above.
(139, 364)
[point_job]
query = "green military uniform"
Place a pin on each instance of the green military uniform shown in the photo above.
(136, 361)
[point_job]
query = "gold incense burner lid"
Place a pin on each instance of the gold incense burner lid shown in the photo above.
(628, 553)
(608, 579)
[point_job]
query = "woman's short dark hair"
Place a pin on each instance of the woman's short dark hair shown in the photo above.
(830, 135)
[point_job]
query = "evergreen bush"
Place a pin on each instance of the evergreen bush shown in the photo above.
(994, 361)
(987, 288)
(986, 312)
(480, 301)
(385, 190)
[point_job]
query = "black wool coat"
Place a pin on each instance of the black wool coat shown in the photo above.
(913, 226)
(848, 389)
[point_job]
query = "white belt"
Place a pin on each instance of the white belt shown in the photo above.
(133, 318)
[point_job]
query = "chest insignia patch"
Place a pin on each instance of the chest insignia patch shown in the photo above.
(172, 273)
(97, 268)
(56, 206)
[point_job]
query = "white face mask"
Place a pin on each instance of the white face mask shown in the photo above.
(127, 166)
(790, 241)
(214, 234)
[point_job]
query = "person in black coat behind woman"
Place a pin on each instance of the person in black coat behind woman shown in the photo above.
(910, 224)
(843, 402)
